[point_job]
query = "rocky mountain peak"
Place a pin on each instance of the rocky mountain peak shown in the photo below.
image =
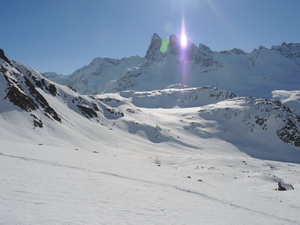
(189, 51)
(2, 53)
(154, 46)
(290, 50)
(2, 56)
(204, 56)
(161, 47)
(205, 49)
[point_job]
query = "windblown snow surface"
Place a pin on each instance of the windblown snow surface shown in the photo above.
(50, 184)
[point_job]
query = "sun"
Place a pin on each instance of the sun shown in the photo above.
(183, 35)
(183, 40)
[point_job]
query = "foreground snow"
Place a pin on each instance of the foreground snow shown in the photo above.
(47, 184)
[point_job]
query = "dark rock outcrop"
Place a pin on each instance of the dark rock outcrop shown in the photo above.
(2, 56)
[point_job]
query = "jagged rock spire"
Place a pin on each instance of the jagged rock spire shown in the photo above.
(154, 46)
(2, 56)
(154, 53)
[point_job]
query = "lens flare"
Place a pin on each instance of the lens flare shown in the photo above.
(164, 45)
(184, 64)
(183, 36)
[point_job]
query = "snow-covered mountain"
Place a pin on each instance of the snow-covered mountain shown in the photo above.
(90, 79)
(247, 74)
(143, 154)
(28, 94)
(31, 102)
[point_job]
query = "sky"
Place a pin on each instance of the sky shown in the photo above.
(64, 35)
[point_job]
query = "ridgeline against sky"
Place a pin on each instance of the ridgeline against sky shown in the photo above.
(62, 35)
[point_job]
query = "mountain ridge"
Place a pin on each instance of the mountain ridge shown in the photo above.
(257, 73)
(44, 106)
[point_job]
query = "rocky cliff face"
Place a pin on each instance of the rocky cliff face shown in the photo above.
(291, 50)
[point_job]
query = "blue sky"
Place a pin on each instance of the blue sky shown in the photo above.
(64, 35)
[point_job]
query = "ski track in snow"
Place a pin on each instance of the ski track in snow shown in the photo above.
(49, 163)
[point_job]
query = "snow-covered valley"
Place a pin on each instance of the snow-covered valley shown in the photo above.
(174, 154)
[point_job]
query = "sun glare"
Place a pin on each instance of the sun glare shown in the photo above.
(183, 40)
(183, 36)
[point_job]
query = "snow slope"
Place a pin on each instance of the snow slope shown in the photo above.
(169, 156)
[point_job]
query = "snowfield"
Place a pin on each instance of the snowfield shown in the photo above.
(48, 184)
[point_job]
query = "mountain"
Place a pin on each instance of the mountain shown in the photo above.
(28, 95)
(33, 105)
(89, 79)
(254, 74)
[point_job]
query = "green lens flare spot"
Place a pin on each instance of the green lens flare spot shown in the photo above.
(164, 45)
